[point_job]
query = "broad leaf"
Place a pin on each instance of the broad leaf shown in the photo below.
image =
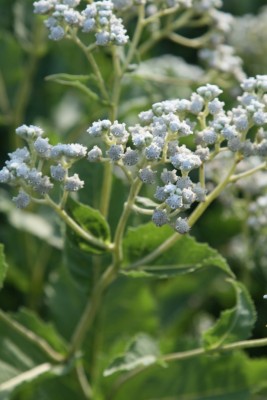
(142, 351)
(199, 378)
(45, 330)
(3, 266)
(90, 220)
(63, 294)
(40, 226)
(185, 256)
(234, 324)
(21, 358)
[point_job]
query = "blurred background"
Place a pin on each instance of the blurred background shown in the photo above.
(33, 242)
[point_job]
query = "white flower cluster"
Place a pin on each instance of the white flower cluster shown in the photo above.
(248, 37)
(257, 213)
(155, 150)
(97, 18)
(23, 167)
(216, 54)
(158, 140)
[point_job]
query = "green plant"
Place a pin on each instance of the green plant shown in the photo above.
(126, 248)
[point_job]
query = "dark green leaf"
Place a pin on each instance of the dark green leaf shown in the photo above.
(3, 266)
(22, 360)
(201, 378)
(185, 256)
(142, 351)
(90, 220)
(43, 329)
(63, 294)
(234, 324)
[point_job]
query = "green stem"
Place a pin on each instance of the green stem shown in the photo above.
(189, 42)
(92, 95)
(108, 166)
(82, 378)
(106, 279)
(162, 13)
(106, 188)
(183, 356)
(178, 23)
(136, 37)
(116, 89)
(202, 175)
(141, 210)
(90, 311)
(92, 62)
(118, 254)
(250, 172)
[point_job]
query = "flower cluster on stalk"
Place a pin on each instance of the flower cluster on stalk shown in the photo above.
(25, 166)
(97, 17)
(171, 147)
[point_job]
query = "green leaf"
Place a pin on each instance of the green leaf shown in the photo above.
(37, 225)
(142, 351)
(234, 324)
(74, 81)
(62, 293)
(43, 329)
(205, 377)
(92, 221)
(3, 266)
(185, 256)
(22, 357)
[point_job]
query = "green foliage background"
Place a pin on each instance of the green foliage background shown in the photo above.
(177, 310)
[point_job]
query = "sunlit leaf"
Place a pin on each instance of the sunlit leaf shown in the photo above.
(234, 324)
(142, 351)
(185, 256)
(22, 359)
(91, 221)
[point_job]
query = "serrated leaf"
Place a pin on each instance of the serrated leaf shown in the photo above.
(234, 324)
(205, 377)
(92, 221)
(3, 265)
(142, 351)
(186, 256)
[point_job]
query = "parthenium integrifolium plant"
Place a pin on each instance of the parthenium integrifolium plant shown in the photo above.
(175, 160)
